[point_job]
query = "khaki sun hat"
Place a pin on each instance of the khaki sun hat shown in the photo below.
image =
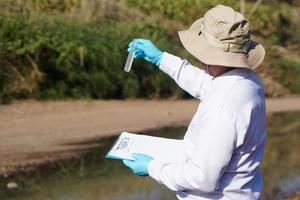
(222, 37)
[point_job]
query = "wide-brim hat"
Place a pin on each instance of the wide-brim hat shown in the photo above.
(222, 37)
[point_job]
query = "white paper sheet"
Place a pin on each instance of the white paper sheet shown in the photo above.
(162, 149)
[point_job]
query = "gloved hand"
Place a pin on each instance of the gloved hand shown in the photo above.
(146, 49)
(139, 166)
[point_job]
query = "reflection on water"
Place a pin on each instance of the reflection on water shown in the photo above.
(95, 178)
(281, 165)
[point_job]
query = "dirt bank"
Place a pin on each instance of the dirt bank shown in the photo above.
(37, 132)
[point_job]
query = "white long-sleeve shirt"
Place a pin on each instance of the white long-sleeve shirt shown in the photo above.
(225, 139)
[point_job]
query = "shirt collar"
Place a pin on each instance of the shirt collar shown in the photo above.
(226, 80)
(235, 73)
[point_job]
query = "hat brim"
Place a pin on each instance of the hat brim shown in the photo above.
(199, 47)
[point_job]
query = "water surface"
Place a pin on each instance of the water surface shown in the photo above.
(93, 177)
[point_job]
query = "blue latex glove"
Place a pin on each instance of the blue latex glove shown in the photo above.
(139, 166)
(146, 49)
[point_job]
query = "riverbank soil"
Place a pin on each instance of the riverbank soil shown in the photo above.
(34, 132)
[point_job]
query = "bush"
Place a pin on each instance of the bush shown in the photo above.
(50, 50)
(78, 60)
(287, 71)
(183, 11)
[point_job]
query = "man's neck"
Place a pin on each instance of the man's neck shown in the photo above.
(216, 71)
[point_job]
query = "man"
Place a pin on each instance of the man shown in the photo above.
(225, 139)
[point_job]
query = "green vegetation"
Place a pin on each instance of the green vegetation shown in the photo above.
(53, 49)
(288, 71)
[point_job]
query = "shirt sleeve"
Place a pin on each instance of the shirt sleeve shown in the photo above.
(211, 155)
(191, 79)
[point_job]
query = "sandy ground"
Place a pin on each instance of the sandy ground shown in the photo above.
(34, 132)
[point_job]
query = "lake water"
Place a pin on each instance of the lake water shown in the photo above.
(93, 177)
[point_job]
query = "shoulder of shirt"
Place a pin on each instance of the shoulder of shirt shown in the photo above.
(247, 92)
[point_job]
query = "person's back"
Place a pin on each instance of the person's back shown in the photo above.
(240, 93)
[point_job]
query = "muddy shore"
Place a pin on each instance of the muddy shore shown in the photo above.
(33, 133)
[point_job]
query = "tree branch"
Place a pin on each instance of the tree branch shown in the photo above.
(255, 7)
(242, 7)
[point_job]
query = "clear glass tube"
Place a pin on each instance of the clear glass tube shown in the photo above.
(129, 61)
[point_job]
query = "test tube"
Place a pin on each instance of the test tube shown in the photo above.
(129, 61)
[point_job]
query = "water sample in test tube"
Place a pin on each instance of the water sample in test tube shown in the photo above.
(129, 60)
